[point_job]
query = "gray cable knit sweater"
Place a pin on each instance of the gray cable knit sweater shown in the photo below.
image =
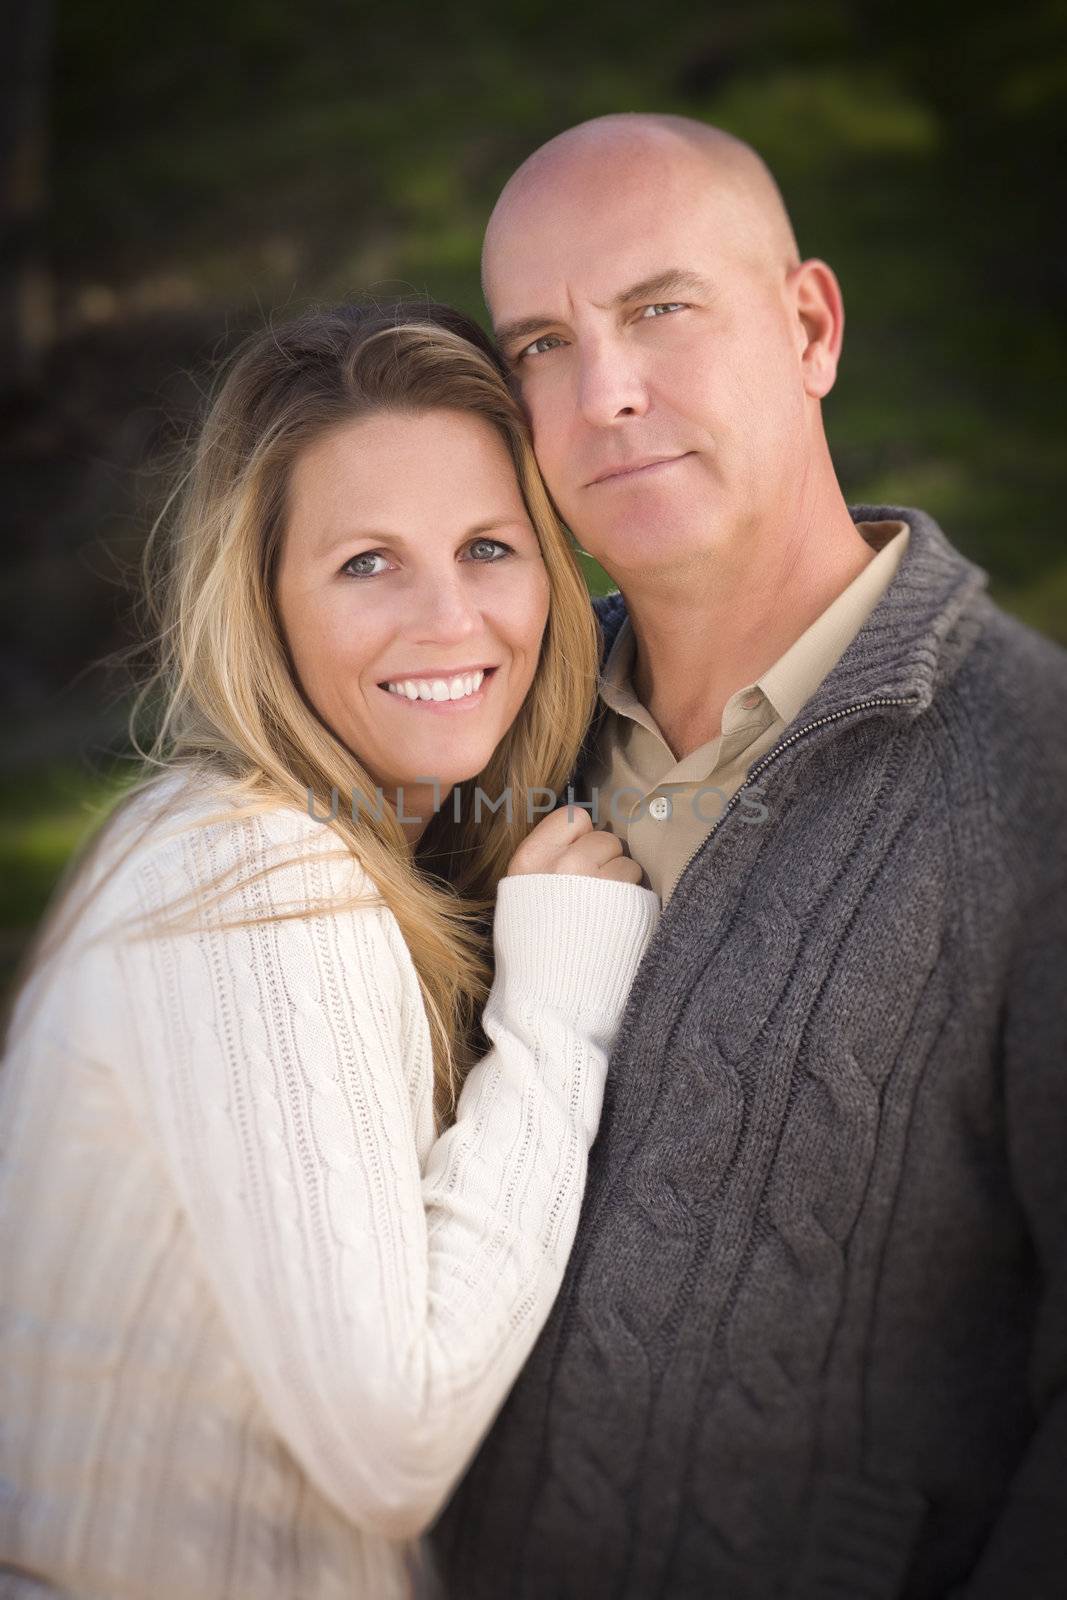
(812, 1339)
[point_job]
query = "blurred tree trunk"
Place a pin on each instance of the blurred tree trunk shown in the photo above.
(25, 288)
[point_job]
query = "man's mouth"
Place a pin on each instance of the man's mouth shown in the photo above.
(640, 466)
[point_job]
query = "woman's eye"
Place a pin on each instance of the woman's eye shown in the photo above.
(489, 544)
(367, 555)
(483, 550)
(664, 305)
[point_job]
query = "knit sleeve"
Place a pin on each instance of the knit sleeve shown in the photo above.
(1026, 1553)
(382, 1310)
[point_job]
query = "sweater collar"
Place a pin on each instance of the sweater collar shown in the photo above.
(910, 638)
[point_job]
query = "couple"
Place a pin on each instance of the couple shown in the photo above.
(291, 1180)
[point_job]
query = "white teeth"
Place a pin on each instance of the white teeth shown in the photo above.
(437, 688)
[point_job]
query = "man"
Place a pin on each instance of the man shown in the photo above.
(812, 1341)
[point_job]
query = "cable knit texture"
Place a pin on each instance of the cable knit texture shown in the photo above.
(256, 1317)
(812, 1339)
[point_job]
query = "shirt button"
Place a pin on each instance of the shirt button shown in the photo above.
(751, 700)
(660, 808)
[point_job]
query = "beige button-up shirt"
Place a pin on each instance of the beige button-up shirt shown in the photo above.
(663, 809)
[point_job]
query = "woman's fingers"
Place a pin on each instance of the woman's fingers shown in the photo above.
(591, 852)
(624, 869)
(567, 841)
(544, 846)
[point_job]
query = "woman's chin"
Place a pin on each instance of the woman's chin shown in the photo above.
(445, 768)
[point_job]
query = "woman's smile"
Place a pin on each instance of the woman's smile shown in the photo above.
(440, 694)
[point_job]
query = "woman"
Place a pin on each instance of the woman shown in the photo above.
(279, 1226)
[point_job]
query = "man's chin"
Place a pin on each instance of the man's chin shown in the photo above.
(645, 543)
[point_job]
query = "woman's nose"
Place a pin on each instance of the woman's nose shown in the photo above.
(444, 609)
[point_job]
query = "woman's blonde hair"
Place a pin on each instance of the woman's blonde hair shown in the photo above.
(228, 705)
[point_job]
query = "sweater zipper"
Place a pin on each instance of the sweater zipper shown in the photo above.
(772, 755)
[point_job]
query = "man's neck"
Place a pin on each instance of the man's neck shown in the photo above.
(704, 634)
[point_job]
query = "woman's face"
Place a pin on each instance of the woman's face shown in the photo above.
(412, 595)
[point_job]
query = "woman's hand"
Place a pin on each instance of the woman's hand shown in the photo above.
(562, 843)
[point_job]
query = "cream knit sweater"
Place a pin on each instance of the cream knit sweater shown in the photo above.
(256, 1317)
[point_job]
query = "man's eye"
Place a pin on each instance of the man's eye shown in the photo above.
(537, 348)
(366, 555)
(490, 544)
(664, 305)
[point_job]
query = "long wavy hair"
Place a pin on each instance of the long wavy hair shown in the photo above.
(227, 709)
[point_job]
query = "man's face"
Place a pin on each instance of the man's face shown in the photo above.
(659, 359)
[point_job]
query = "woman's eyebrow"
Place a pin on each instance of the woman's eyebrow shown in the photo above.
(384, 536)
(674, 280)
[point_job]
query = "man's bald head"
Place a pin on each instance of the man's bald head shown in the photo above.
(670, 348)
(606, 154)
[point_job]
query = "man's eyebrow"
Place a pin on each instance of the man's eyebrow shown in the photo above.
(675, 280)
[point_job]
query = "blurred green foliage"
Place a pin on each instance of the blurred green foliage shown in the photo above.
(224, 163)
(262, 155)
(45, 814)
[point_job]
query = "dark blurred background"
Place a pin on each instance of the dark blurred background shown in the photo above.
(172, 176)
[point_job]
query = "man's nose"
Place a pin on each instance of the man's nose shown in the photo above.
(611, 385)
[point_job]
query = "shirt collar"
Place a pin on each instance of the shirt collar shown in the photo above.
(616, 677)
(798, 672)
(896, 654)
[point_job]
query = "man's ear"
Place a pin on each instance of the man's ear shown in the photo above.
(820, 314)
